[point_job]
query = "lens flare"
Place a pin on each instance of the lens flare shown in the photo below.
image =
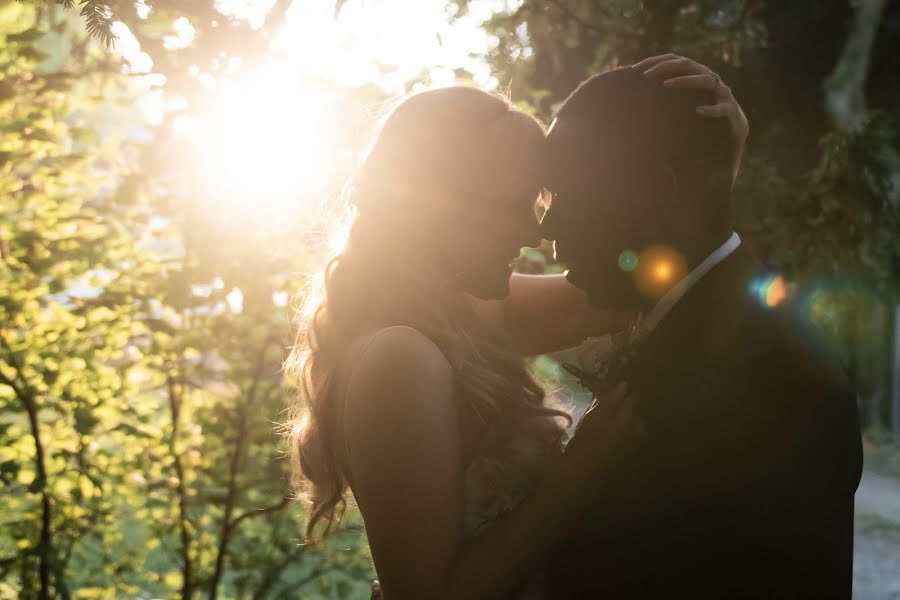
(662, 271)
(628, 260)
(657, 269)
(771, 290)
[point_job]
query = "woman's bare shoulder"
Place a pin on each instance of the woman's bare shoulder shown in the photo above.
(392, 370)
(397, 345)
(399, 409)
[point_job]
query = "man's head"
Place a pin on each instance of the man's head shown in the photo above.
(641, 186)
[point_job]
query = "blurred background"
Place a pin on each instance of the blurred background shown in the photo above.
(169, 175)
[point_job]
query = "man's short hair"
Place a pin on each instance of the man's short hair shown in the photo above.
(644, 123)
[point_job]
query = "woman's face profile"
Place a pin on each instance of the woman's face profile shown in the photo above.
(492, 230)
(465, 171)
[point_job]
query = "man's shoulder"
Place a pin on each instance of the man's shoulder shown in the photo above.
(793, 372)
(786, 343)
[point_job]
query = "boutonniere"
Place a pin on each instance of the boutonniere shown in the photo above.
(603, 362)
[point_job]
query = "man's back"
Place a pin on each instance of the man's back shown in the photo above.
(754, 453)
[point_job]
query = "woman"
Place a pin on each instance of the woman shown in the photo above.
(413, 388)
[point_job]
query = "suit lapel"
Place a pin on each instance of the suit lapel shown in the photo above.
(683, 374)
(704, 325)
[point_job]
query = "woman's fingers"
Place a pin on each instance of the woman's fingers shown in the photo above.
(676, 67)
(732, 110)
(726, 105)
(718, 110)
(706, 81)
(652, 61)
(679, 72)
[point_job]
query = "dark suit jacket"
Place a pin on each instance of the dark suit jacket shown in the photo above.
(745, 487)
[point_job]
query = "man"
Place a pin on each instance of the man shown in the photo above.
(745, 487)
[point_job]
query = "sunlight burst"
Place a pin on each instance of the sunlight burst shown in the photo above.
(267, 142)
(272, 140)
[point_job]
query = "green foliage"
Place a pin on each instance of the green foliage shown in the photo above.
(63, 368)
(842, 219)
(546, 48)
(833, 232)
(98, 18)
(140, 375)
(877, 525)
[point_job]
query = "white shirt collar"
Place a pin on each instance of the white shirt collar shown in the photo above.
(668, 301)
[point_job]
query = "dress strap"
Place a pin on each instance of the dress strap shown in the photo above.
(355, 355)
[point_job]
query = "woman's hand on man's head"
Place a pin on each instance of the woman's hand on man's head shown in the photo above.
(680, 72)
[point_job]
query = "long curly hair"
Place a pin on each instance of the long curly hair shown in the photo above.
(392, 271)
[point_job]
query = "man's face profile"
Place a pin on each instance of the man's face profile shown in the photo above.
(600, 218)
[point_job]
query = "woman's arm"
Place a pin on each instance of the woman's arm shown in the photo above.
(546, 313)
(405, 457)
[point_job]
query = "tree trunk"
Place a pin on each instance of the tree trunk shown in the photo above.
(895, 393)
(845, 102)
(187, 571)
(845, 97)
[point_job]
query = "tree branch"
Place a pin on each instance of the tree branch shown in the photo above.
(274, 571)
(845, 96)
(187, 574)
(261, 511)
(45, 550)
(227, 523)
(590, 27)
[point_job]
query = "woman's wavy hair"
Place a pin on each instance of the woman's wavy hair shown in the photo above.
(390, 272)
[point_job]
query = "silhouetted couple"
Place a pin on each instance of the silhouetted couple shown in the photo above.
(721, 453)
